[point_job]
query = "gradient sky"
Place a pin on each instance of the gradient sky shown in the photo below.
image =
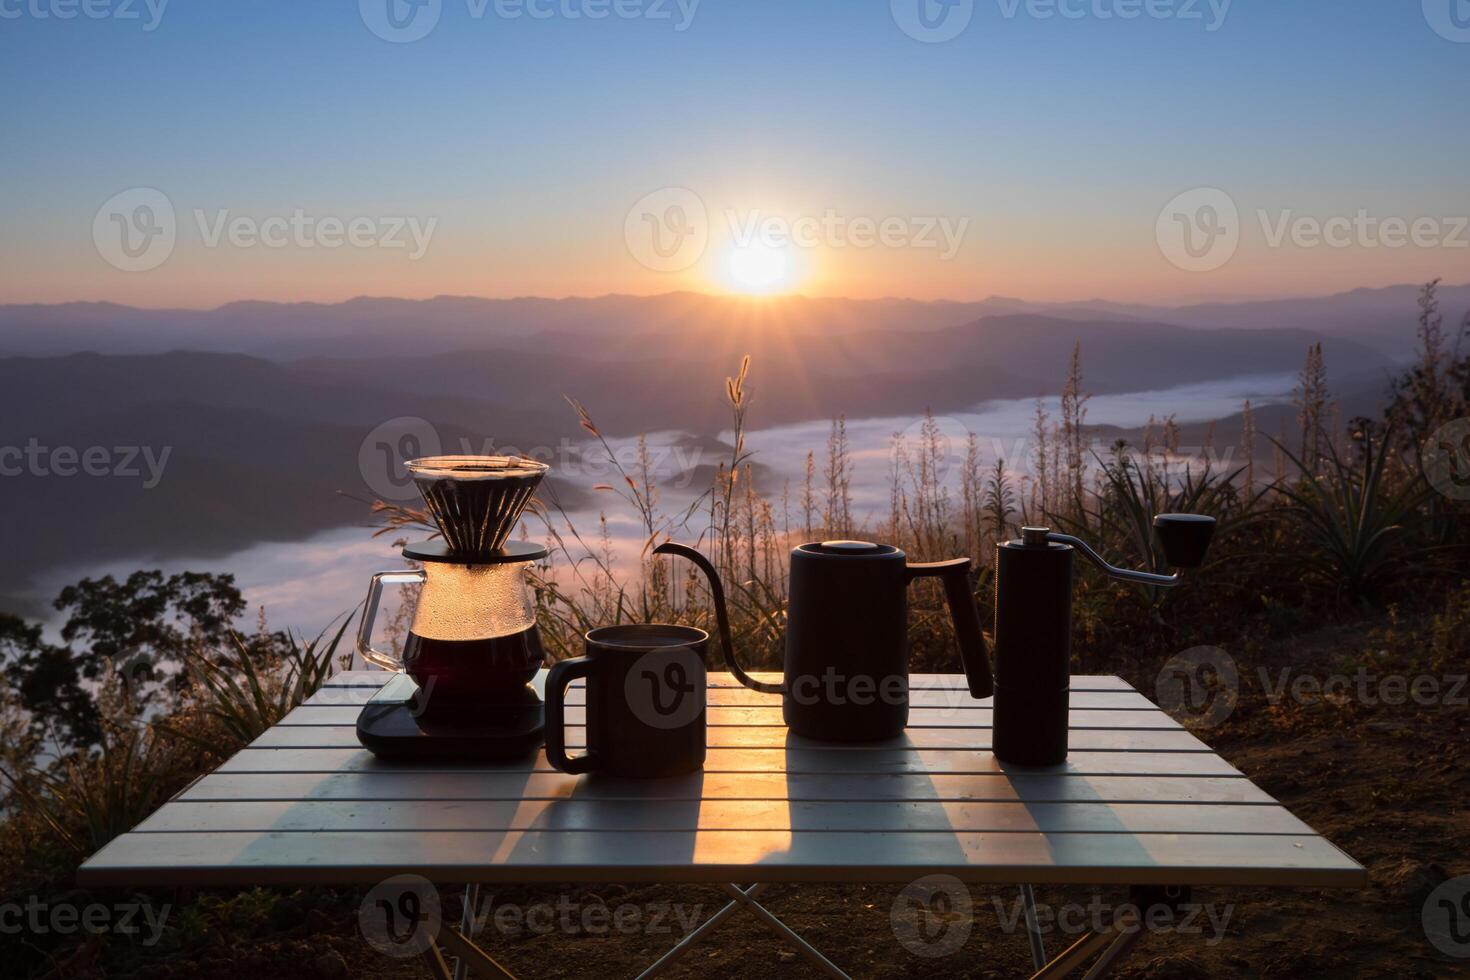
(1059, 140)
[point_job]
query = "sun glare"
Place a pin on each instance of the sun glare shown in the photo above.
(758, 268)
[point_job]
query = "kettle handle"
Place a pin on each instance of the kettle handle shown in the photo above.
(962, 609)
(717, 590)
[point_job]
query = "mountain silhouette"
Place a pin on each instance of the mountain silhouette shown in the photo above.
(264, 408)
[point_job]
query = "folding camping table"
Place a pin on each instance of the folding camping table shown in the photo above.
(1140, 802)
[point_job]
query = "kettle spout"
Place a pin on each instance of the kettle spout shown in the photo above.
(722, 616)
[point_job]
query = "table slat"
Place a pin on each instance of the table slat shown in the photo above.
(722, 679)
(709, 856)
(958, 700)
(807, 760)
(776, 737)
(1154, 719)
(622, 816)
(410, 784)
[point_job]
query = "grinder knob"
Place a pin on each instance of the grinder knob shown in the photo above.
(1184, 537)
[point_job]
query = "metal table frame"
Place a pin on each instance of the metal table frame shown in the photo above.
(1114, 946)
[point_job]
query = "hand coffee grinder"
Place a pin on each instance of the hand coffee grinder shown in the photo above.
(1033, 628)
(462, 687)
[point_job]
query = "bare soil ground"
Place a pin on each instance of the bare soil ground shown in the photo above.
(1386, 782)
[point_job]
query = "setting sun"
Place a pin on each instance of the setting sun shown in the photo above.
(760, 268)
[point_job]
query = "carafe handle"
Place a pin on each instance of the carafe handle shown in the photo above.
(365, 650)
(966, 616)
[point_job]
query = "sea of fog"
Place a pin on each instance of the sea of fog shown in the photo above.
(304, 584)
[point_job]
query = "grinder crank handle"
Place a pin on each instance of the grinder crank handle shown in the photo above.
(966, 616)
(1184, 538)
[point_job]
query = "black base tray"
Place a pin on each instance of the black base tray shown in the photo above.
(391, 726)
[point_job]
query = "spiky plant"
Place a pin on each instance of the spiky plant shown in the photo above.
(240, 695)
(1356, 519)
(88, 799)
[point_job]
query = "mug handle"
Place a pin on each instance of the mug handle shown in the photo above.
(561, 674)
(381, 658)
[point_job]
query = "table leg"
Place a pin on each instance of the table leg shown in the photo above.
(709, 924)
(1114, 945)
(1033, 928)
(1113, 954)
(746, 898)
(802, 946)
(1070, 960)
(436, 963)
(467, 925)
(472, 956)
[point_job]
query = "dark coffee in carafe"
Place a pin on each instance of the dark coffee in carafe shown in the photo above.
(474, 670)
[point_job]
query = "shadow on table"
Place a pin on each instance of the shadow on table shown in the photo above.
(1075, 822)
(871, 804)
(611, 822)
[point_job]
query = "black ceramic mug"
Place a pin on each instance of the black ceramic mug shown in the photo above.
(645, 702)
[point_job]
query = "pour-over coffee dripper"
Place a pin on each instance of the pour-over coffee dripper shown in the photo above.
(476, 500)
(473, 645)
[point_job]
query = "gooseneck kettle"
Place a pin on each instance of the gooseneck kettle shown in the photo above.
(846, 671)
(846, 666)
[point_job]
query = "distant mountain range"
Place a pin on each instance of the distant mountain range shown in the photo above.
(265, 408)
(198, 453)
(367, 327)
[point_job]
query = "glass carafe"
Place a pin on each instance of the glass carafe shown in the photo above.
(473, 632)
